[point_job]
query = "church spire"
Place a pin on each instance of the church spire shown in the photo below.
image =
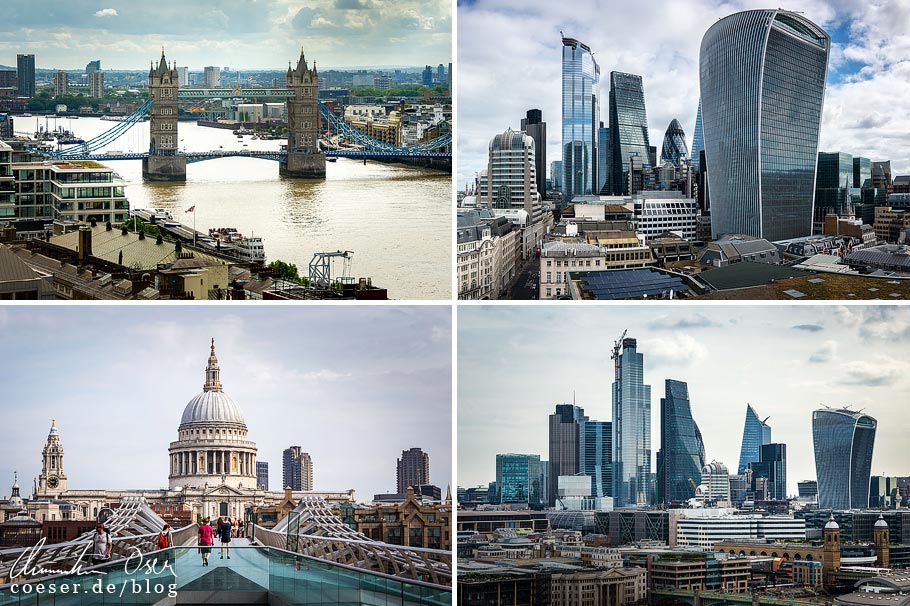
(212, 372)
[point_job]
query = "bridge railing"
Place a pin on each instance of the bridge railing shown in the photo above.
(416, 563)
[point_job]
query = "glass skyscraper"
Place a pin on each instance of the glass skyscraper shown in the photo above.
(762, 87)
(628, 128)
(682, 451)
(631, 429)
(580, 118)
(674, 146)
(832, 185)
(755, 433)
(843, 441)
(862, 172)
(775, 457)
(518, 478)
(536, 128)
(596, 454)
(698, 140)
(603, 160)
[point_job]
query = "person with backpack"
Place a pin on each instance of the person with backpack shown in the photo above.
(165, 540)
(225, 529)
(101, 545)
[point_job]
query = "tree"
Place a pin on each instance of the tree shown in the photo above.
(287, 271)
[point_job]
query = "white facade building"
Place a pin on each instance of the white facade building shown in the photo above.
(703, 528)
(656, 213)
(715, 485)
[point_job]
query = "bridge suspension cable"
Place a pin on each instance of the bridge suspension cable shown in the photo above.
(355, 135)
(108, 136)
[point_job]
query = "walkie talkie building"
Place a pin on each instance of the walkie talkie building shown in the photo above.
(843, 442)
(762, 87)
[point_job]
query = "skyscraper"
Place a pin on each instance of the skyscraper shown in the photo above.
(212, 76)
(518, 479)
(682, 452)
(565, 425)
(843, 441)
(595, 451)
(427, 76)
(61, 83)
(762, 87)
(25, 71)
(832, 186)
(536, 128)
(775, 457)
(511, 177)
(698, 140)
(262, 475)
(580, 117)
(96, 84)
(603, 160)
(862, 171)
(413, 469)
(296, 469)
(628, 128)
(440, 74)
(755, 433)
(93, 66)
(631, 427)
(674, 145)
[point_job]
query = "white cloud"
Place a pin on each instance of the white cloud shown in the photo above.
(826, 353)
(676, 349)
(877, 372)
(325, 375)
(106, 12)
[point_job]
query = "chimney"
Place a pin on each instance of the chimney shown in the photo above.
(84, 246)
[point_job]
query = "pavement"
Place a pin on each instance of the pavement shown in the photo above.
(526, 285)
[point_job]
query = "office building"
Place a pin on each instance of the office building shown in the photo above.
(413, 469)
(61, 83)
(698, 140)
(755, 433)
(518, 479)
(565, 427)
(440, 74)
(881, 176)
(427, 79)
(775, 457)
(631, 427)
(674, 145)
(595, 453)
(25, 72)
(682, 452)
(297, 469)
(96, 84)
(715, 484)
(862, 172)
(511, 177)
(93, 66)
(534, 126)
(183, 76)
(833, 185)
(884, 492)
(704, 528)
(807, 491)
(658, 212)
(262, 475)
(603, 160)
(544, 482)
(212, 76)
(556, 175)
(762, 87)
(628, 131)
(488, 252)
(580, 118)
(843, 441)
(50, 190)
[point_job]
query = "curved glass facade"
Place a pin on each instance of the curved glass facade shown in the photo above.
(682, 451)
(580, 118)
(631, 429)
(628, 128)
(674, 146)
(762, 87)
(595, 453)
(698, 140)
(755, 433)
(843, 441)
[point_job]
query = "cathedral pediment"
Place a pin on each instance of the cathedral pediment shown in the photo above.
(222, 491)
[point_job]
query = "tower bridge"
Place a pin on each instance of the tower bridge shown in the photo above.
(303, 158)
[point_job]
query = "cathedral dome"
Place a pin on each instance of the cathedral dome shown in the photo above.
(212, 405)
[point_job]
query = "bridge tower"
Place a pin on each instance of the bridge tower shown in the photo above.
(163, 163)
(305, 161)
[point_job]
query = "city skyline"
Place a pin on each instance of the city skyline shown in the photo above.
(251, 34)
(799, 359)
(862, 113)
(322, 383)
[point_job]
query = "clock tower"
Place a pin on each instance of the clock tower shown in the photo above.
(52, 481)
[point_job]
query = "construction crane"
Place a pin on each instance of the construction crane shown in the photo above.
(617, 347)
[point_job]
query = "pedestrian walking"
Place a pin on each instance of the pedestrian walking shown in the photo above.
(165, 540)
(224, 531)
(101, 545)
(206, 540)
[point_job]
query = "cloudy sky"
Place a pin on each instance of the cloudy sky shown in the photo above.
(509, 60)
(516, 363)
(354, 386)
(127, 34)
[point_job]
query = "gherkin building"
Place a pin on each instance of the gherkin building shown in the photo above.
(674, 144)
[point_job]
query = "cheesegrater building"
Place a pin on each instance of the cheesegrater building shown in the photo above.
(762, 88)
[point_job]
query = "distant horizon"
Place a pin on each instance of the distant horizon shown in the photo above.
(242, 69)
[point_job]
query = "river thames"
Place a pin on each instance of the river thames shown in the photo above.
(396, 220)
